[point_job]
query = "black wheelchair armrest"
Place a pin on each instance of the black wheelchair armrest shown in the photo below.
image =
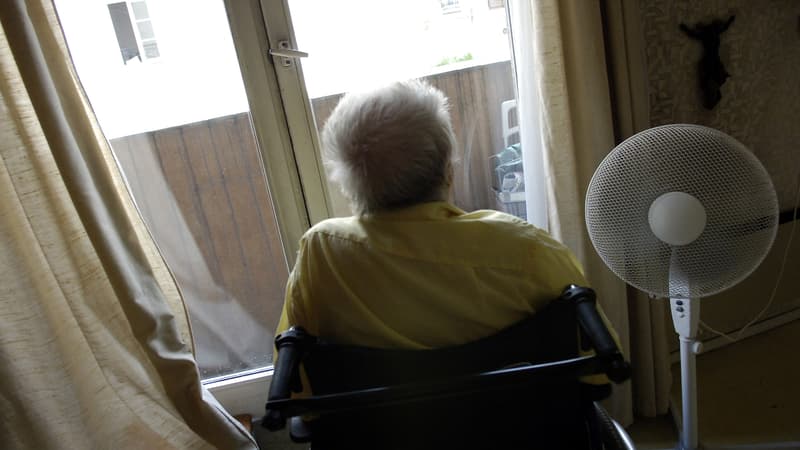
(615, 366)
(291, 346)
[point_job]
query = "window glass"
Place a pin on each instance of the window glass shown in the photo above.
(460, 47)
(151, 49)
(145, 29)
(182, 134)
(140, 10)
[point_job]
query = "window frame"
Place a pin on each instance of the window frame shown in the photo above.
(284, 128)
(496, 4)
(137, 35)
(242, 393)
(450, 6)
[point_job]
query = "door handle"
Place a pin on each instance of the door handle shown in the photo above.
(286, 53)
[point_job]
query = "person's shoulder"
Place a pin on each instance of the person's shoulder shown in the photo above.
(504, 222)
(343, 227)
(511, 228)
(490, 215)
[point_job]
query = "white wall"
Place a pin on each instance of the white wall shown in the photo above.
(196, 77)
(351, 43)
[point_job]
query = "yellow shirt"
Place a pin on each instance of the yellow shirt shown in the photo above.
(426, 276)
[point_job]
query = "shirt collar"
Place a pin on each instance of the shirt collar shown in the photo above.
(422, 211)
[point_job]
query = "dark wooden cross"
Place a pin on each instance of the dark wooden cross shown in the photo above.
(710, 70)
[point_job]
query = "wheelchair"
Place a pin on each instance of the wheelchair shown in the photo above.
(520, 388)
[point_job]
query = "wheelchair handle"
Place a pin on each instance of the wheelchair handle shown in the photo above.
(617, 369)
(291, 346)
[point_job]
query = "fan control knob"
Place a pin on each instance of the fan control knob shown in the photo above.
(685, 316)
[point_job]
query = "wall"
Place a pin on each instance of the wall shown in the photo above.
(761, 51)
(196, 77)
(759, 107)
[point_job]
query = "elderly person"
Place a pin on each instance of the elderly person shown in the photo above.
(409, 269)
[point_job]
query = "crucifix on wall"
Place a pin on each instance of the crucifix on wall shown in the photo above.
(710, 70)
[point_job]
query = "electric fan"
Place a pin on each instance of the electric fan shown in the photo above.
(684, 212)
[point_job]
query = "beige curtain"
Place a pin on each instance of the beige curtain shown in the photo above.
(577, 132)
(94, 339)
(585, 81)
(649, 320)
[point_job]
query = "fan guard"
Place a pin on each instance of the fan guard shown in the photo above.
(734, 188)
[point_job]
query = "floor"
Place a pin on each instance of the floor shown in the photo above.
(748, 395)
(653, 433)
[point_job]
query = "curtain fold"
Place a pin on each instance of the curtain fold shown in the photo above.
(582, 89)
(94, 340)
(649, 319)
(569, 90)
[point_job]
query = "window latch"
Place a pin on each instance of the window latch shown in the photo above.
(286, 53)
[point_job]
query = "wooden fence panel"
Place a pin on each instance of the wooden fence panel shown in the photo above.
(273, 263)
(202, 191)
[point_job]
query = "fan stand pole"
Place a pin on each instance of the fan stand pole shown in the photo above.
(685, 318)
(689, 439)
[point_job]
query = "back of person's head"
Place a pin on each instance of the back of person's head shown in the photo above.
(390, 147)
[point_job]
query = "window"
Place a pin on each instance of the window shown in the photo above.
(145, 27)
(219, 146)
(185, 138)
(450, 6)
(497, 4)
(467, 57)
(133, 43)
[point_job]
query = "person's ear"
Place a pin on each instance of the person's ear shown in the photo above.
(449, 186)
(449, 175)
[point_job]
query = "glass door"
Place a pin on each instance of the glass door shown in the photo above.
(461, 47)
(165, 80)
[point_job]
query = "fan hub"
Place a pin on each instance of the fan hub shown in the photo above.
(677, 218)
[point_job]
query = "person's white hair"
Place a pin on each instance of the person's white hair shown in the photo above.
(390, 147)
